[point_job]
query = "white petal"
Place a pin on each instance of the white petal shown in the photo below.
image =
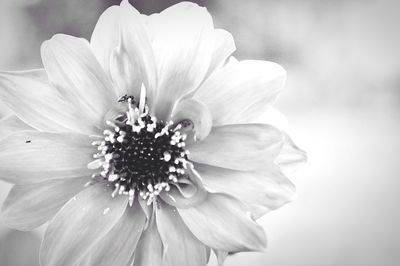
(240, 92)
(80, 224)
(187, 192)
(197, 113)
(121, 44)
(181, 247)
(291, 155)
(183, 45)
(74, 70)
(106, 36)
(239, 147)
(31, 97)
(29, 206)
(147, 210)
(32, 156)
(224, 46)
(222, 222)
(264, 190)
(11, 124)
(117, 247)
(149, 250)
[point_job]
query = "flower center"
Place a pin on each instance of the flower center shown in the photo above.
(140, 155)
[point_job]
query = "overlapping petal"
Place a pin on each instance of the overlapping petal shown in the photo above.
(263, 190)
(223, 223)
(224, 46)
(122, 45)
(117, 247)
(185, 47)
(80, 224)
(29, 206)
(74, 71)
(34, 100)
(33, 156)
(187, 192)
(290, 155)
(181, 247)
(11, 124)
(241, 92)
(196, 114)
(239, 147)
(149, 250)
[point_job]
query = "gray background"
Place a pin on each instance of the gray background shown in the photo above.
(341, 100)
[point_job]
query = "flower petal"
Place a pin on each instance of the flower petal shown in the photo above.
(183, 45)
(34, 100)
(197, 113)
(222, 222)
(187, 192)
(181, 247)
(32, 156)
(124, 237)
(290, 155)
(80, 224)
(149, 250)
(224, 46)
(11, 124)
(263, 190)
(121, 43)
(29, 206)
(239, 147)
(240, 92)
(74, 70)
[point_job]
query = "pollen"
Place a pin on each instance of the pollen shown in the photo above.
(140, 155)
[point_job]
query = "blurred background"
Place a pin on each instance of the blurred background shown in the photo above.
(341, 99)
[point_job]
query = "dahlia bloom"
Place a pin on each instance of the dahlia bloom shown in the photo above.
(146, 145)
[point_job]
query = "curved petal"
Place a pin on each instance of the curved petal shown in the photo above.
(29, 206)
(197, 113)
(181, 247)
(147, 210)
(149, 250)
(224, 46)
(121, 44)
(187, 192)
(222, 222)
(239, 147)
(34, 100)
(240, 92)
(11, 124)
(263, 190)
(33, 156)
(74, 70)
(183, 45)
(124, 237)
(290, 155)
(80, 224)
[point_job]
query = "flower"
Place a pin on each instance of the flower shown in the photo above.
(145, 144)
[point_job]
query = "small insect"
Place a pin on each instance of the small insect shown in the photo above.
(28, 141)
(125, 98)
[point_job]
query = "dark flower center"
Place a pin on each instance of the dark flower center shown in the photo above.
(141, 155)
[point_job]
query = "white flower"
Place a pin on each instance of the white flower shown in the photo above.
(143, 145)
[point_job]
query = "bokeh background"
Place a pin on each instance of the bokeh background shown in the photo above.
(341, 99)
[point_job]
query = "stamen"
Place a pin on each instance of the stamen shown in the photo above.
(138, 154)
